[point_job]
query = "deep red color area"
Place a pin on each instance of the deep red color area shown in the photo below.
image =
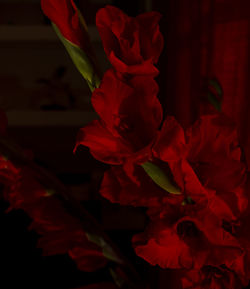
(133, 45)
(63, 13)
(203, 230)
(205, 162)
(130, 115)
(206, 39)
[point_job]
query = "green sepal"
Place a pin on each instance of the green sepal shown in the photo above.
(107, 250)
(81, 61)
(160, 178)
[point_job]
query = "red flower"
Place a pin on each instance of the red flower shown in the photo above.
(130, 114)
(63, 13)
(133, 45)
(212, 173)
(60, 233)
(188, 237)
(205, 160)
(26, 191)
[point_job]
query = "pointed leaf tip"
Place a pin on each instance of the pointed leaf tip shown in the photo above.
(160, 178)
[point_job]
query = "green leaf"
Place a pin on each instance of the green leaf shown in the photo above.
(81, 61)
(107, 250)
(160, 178)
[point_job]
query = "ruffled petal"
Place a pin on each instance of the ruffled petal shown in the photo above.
(165, 249)
(102, 144)
(133, 45)
(170, 144)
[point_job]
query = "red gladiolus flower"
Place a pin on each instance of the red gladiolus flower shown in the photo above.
(133, 45)
(63, 13)
(188, 237)
(130, 114)
(60, 233)
(203, 161)
(25, 192)
(205, 158)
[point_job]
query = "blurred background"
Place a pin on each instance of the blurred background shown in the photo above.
(47, 101)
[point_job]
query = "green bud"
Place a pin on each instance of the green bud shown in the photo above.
(81, 61)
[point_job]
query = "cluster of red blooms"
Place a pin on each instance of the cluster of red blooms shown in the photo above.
(200, 227)
(198, 220)
(60, 233)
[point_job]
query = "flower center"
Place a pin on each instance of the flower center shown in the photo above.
(187, 229)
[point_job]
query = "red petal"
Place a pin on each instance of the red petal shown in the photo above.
(165, 249)
(87, 259)
(151, 36)
(132, 45)
(64, 14)
(170, 144)
(102, 144)
(211, 138)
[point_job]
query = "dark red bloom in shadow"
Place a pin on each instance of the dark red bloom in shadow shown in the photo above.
(187, 237)
(205, 161)
(130, 115)
(60, 233)
(133, 45)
